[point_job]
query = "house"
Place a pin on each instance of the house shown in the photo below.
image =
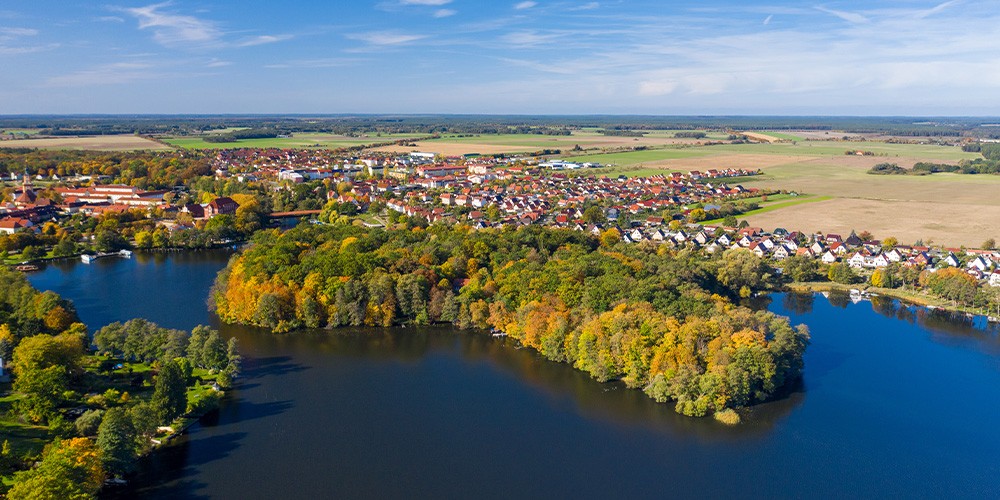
(222, 205)
(780, 253)
(994, 279)
(952, 260)
(979, 263)
(11, 225)
(858, 260)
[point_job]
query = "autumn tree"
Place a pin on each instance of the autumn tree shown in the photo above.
(69, 469)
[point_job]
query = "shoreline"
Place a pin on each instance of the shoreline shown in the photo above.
(912, 297)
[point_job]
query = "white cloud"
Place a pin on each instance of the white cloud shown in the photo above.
(425, 2)
(177, 30)
(445, 13)
(261, 40)
(767, 20)
(525, 5)
(586, 6)
(385, 38)
(109, 74)
(335, 62)
(851, 17)
(174, 29)
(11, 42)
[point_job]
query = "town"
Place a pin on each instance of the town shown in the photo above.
(680, 210)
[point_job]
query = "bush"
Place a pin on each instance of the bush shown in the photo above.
(727, 416)
(204, 404)
(88, 423)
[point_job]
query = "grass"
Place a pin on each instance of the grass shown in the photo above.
(23, 437)
(782, 201)
(637, 157)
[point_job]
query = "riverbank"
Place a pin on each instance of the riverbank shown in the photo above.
(911, 296)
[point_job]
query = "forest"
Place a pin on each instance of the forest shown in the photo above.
(658, 320)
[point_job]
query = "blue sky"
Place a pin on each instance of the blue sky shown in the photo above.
(905, 57)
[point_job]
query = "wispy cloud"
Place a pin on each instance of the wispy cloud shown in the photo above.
(334, 62)
(12, 41)
(175, 30)
(425, 2)
(445, 13)
(586, 6)
(525, 5)
(851, 17)
(109, 74)
(385, 38)
(261, 40)
(767, 20)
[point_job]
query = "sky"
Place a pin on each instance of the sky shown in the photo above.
(710, 57)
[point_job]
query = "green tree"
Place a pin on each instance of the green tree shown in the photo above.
(840, 272)
(740, 268)
(989, 244)
(116, 438)
(594, 215)
(170, 392)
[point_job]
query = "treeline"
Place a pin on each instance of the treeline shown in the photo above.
(690, 135)
(658, 320)
(622, 133)
(146, 170)
(920, 168)
(236, 135)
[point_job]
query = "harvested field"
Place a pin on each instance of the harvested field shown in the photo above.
(762, 137)
(909, 221)
(748, 161)
(95, 143)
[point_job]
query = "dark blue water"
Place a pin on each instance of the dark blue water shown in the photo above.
(895, 401)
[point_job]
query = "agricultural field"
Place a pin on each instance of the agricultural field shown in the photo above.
(303, 140)
(588, 139)
(94, 143)
(952, 209)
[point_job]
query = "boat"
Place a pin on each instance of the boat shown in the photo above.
(25, 268)
(87, 258)
(126, 253)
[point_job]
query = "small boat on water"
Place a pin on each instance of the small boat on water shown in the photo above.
(126, 253)
(24, 268)
(87, 258)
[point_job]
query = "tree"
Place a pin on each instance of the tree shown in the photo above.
(42, 366)
(64, 248)
(742, 269)
(840, 272)
(989, 244)
(69, 469)
(594, 215)
(170, 392)
(234, 360)
(730, 221)
(889, 243)
(116, 438)
(801, 268)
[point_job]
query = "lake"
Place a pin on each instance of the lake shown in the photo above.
(895, 401)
